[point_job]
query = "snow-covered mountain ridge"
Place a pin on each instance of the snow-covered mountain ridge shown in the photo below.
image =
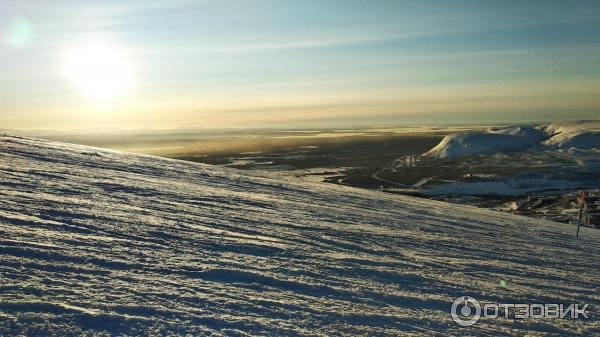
(562, 135)
(102, 242)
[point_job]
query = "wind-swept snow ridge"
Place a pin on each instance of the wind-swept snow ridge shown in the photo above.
(580, 135)
(101, 242)
(575, 134)
(492, 141)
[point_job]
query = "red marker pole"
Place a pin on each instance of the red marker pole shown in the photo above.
(581, 203)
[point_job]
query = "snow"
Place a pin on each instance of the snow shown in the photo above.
(517, 186)
(581, 135)
(570, 126)
(491, 141)
(97, 242)
(576, 134)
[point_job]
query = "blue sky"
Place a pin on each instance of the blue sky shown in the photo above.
(299, 63)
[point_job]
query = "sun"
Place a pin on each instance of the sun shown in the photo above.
(100, 71)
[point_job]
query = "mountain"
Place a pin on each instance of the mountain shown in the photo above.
(581, 135)
(575, 134)
(97, 242)
(492, 141)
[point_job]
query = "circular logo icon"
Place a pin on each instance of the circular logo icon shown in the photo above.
(466, 311)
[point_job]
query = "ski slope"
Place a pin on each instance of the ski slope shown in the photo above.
(106, 243)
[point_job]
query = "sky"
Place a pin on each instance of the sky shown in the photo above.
(296, 63)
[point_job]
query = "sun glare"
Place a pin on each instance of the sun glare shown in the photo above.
(100, 71)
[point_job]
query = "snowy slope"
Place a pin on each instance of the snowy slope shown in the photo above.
(101, 242)
(576, 134)
(492, 141)
(581, 135)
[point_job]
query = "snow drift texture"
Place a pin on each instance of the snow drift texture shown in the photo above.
(104, 243)
(565, 135)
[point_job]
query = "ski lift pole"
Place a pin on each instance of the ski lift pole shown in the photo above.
(581, 203)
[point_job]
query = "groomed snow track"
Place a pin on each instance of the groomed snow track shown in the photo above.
(106, 243)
